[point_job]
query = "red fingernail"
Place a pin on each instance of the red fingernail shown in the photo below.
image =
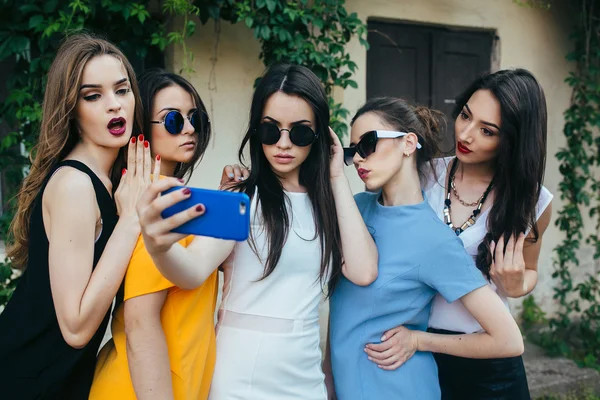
(158, 157)
(132, 140)
(186, 191)
(124, 170)
(146, 143)
(181, 180)
(199, 208)
(141, 138)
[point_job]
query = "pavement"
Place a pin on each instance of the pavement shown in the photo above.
(554, 376)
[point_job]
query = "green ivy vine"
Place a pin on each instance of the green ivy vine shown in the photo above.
(313, 33)
(30, 33)
(579, 337)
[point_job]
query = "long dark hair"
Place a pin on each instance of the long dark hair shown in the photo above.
(402, 116)
(519, 168)
(151, 82)
(297, 81)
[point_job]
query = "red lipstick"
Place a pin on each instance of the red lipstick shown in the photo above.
(116, 126)
(462, 149)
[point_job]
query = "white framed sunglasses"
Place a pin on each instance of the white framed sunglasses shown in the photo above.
(368, 143)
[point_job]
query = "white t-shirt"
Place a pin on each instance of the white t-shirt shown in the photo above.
(454, 316)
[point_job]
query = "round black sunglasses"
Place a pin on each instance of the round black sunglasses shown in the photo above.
(174, 121)
(301, 135)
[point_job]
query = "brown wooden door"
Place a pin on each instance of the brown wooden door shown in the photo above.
(426, 65)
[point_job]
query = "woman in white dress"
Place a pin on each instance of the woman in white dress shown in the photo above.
(491, 195)
(303, 218)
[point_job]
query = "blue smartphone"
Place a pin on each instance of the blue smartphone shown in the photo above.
(227, 214)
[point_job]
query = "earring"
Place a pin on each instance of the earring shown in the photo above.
(407, 154)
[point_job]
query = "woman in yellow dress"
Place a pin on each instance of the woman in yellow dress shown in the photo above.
(163, 344)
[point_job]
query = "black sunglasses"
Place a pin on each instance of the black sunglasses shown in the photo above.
(301, 135)
(174, 121)
(368, 143)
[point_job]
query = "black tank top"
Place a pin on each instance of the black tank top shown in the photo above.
(35, 360)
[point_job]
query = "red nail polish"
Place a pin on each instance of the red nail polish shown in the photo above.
(141, 138)
(133, 140)
(199, 208)
(146, 144)
(123, 171)
(181, 180)
(186, 191)
(158, 157)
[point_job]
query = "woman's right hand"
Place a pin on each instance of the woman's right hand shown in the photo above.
(135, 178)
(233, 174)
(156, 230)
(397, 346)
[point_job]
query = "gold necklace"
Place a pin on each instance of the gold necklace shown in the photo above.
(461, 201)
(447, 203)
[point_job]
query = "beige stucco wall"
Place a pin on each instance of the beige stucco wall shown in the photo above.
(529, 38)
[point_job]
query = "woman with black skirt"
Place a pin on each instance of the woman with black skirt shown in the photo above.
(491, 195)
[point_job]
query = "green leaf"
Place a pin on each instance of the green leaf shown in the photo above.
(19, 44)
(266, 32)
(190, 28)
(142, 15)
(352, 84)
(35, 20)
(271, 4)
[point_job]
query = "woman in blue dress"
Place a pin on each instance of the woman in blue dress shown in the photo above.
(391, 143)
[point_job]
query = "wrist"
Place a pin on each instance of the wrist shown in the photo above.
(131, 223)
(338, 180)
(418, 341)
(514, 290)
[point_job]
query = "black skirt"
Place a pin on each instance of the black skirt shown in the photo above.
(481, 379)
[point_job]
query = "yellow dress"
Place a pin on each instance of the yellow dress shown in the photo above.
(187, 318)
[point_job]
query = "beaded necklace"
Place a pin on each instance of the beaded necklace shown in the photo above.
(447, 203)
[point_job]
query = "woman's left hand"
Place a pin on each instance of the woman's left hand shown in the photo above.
(508, 266)
(396, 347)
(336, 168)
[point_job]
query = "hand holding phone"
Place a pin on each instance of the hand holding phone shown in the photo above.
(226, 214)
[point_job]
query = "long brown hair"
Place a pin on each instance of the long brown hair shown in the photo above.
(58, 133)
(298, 81)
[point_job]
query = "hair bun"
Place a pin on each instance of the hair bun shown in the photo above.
(433, 120)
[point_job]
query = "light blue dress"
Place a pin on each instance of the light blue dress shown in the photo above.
(418, 257)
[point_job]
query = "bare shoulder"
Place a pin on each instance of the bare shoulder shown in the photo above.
(70, 189)
(545, 218)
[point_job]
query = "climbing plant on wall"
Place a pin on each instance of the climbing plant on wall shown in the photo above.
(580, 194)
(313, 33)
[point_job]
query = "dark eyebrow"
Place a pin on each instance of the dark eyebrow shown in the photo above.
(483, 122)
(302, 121)
(169, 109)
(96, 86)
(177, 109)
(490, 124)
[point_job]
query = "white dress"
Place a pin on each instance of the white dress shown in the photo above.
(268, 330)
(454, 316)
